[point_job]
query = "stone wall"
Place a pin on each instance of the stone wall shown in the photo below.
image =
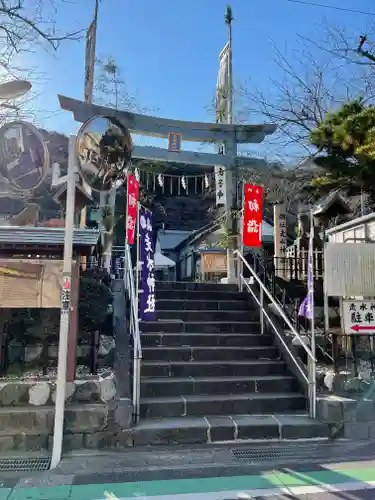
(349, 417)
(29, 360)
(94, 417)
(39, 392)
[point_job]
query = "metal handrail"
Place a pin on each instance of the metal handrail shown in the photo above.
(318, 330)
(134, 331)
(310, 380)
(275, 303)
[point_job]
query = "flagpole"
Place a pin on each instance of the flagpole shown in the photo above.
(228, 20)
(89, 75)
(90, 56)
(231, 274)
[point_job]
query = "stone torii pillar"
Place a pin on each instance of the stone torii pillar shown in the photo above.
(227, 134)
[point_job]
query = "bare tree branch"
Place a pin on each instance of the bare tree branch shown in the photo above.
(26, 23)
(315, 82)
(112, 90)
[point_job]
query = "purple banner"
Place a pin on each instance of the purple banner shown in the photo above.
(305, 309)
(147, 280)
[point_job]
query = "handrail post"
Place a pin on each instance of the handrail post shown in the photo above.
(276, 305)
(311, 368)
(261, 300)
(134, 331)
(310, 377)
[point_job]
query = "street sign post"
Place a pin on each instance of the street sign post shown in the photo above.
(358, 316)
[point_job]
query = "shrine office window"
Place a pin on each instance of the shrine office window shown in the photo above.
(354, 235)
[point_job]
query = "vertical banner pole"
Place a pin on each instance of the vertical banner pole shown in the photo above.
(136, 361)
(242, 246)
(90, 52)
(312, 363)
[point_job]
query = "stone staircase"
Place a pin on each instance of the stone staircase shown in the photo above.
(208, 375)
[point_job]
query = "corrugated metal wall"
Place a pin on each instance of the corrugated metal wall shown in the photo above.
(349, 269)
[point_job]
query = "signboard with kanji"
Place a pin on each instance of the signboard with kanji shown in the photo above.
(220, 186)
(282, 234)
(252, 218)
(66, 294)
(358, 316)
(132, 204)
(174, 142)
(214, 262)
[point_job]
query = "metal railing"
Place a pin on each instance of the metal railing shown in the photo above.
(285, 301)
(134, 331)
(310, 378)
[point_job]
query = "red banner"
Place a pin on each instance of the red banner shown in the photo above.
(133, 197)
(252, 217)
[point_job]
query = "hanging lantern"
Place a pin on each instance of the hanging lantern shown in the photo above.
(183, 182)
(137, 175)
(160, 180)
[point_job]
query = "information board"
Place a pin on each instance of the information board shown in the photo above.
(358, 316)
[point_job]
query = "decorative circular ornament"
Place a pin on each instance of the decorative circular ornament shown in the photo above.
(104, 149)
(24, 156)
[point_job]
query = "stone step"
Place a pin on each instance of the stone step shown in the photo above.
(205, 339)
(221, 404)
(211, 429)
(208, 353)
(227, 316)
(200, 295)
(175, 386)
(178, 326)
(192, 285)
(212, 368)
(203, 305)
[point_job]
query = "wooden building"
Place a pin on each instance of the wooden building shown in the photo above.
(31, 273)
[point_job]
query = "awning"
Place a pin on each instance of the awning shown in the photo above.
(162, 262)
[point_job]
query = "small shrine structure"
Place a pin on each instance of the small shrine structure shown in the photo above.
(31, 274)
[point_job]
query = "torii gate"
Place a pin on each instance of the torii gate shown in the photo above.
(227, 134)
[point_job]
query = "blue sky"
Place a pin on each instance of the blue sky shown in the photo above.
(168, 49)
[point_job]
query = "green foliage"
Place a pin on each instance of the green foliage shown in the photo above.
(95, 297)
(36, 325)
(229, 15)
(16, 321)
(345, 139)
(226, 237)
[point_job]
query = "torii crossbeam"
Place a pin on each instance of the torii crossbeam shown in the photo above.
(227, 134)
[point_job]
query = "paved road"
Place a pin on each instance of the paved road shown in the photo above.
(211, 473)
(342, 495)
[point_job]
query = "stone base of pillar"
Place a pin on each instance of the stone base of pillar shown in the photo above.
(229, 281)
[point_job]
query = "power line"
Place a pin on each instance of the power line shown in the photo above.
(342, 9)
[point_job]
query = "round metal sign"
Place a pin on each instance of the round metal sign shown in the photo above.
(104, 148)
(14, 89)
(24, 157)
